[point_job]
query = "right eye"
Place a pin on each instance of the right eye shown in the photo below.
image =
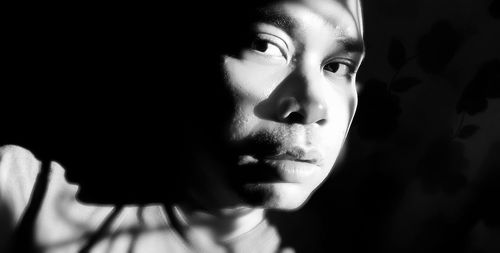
(269, 45)
(267, 48)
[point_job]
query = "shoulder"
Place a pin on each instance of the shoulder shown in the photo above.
(17, 166)
(18, 171)
(16, 156)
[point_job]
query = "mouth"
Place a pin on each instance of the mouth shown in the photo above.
(290, 165)
(297, 154)
(282, 155)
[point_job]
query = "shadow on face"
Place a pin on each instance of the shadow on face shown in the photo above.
(124, 97)
(109, 93)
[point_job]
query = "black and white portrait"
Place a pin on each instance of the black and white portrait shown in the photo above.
(251, 127)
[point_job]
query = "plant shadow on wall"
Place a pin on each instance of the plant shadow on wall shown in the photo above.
(411, 190)
(442, 167)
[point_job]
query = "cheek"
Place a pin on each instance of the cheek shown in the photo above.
(249, 83)
(252, 82)
(342, 105)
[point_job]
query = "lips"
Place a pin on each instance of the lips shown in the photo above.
(297, 154)
(291, 165)
(287, 144)
(285, 154)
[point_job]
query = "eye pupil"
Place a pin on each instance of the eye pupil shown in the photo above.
(261, 45)
(333, 67)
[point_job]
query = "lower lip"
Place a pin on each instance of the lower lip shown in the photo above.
(292, 171)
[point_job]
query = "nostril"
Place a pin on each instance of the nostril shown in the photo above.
(292, 111)
(321, 122)
(295, 117)
(287, 107)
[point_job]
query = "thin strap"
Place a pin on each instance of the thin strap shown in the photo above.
(24, 235)
(174, 221)
(94, 238)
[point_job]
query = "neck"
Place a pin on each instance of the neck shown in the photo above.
(219, 225)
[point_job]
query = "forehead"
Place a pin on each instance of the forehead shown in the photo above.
(342, 19)
(344, 14)
(339, 14)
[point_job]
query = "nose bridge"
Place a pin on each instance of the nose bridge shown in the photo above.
(308, 81)
(305, 96)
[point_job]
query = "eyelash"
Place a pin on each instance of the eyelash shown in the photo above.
(269, 40)
(348, 68)
(255, 45)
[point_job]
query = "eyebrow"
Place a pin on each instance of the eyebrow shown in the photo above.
(287, 23)
(276, 18)
(352, 45)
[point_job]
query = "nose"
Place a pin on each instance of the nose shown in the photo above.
(302, 100)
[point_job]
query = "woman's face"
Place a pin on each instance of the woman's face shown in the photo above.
(293, 94)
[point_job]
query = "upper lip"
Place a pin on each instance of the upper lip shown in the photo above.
(299, 154)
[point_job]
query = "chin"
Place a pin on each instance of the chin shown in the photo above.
(277, 196)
